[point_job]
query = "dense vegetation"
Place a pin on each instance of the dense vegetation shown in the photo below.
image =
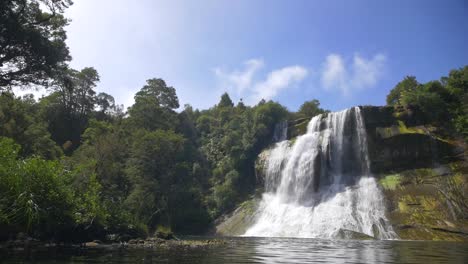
(442, 103)
(74, 162)
(75, 166)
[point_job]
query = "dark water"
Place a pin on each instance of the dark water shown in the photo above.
(262, 250)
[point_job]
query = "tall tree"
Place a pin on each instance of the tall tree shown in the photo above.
(225, 101)
(71, 105)
(165, 96)
(154, 106)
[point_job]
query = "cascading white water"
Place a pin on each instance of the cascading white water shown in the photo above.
(281, 131)
(321, 185)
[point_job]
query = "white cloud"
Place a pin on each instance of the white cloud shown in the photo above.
(361, 74)
(276, 81)
(244, 84)
(239, 81)
(334, 73)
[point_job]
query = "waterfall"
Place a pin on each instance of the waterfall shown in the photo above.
(281, 131)
(321, 185)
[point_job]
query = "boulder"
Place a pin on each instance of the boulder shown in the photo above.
(91, 244)
(164, 234)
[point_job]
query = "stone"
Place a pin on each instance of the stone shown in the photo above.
(349, 234)
(91, 244)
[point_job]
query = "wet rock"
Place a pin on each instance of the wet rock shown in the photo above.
(167, 235)
(91, 244)
(349, 234)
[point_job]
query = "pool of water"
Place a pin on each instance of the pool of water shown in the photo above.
(260, 250)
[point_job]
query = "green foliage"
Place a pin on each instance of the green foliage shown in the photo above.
(428, 101)
(310, 109)
(231, 138)
(89, 208)
(71, 105)
(32, 40)
(153, 108)
(390, 182)
(153, 165)
(225, 194)
(20, 119)
(163, 95)
(408, 84)
(225, 101)
(457, 85)
(35, 198)
(443, 103)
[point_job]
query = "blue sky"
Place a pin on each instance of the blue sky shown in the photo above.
(343, 53)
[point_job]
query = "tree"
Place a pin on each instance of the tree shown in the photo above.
(76, 89)
(430, 103)
(165, 96)
(105, 102)
(154, 106)
(225, 101)
(457, 85)
(151, 167)
(20, 119)
(408, 84)
(71, 105)
(32, 41)
(310, 109)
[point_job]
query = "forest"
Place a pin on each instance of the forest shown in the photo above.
(75, 165)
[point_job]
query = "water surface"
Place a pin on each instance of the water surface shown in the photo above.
(261, 250)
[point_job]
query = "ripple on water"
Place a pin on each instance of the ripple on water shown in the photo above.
(262, 250)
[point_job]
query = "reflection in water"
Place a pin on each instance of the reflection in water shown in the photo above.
(306, 251)
(262, 250)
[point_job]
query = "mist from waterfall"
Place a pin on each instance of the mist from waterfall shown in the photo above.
(321, 185)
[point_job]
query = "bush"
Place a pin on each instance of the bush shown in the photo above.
(35, 198)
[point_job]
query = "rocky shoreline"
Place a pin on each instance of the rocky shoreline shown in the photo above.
(28, 243)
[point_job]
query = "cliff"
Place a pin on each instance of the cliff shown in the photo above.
(424, 177)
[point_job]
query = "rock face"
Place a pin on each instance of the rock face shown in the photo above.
(418, 208)
(394, 146)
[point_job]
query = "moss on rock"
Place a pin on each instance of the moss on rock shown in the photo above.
(417, 210)
(390, 182)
